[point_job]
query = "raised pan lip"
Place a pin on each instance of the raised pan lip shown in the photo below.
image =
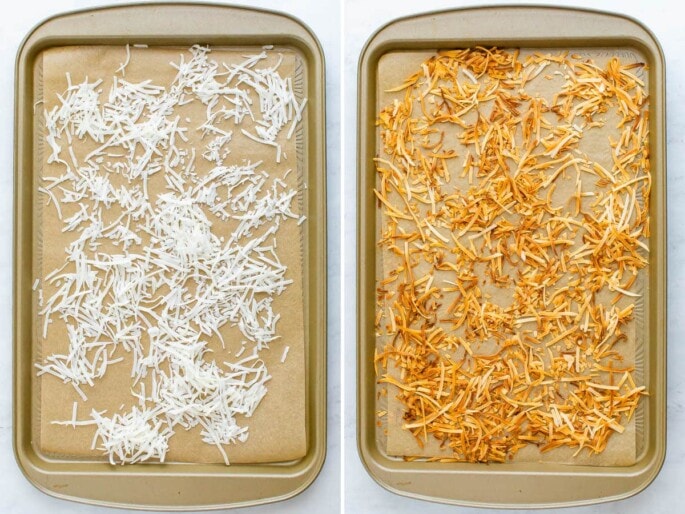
(144, 4)
(361, 446)
(317, 463)
(510, 7)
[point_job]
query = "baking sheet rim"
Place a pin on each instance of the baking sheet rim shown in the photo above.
(301, 473)
(393, 473)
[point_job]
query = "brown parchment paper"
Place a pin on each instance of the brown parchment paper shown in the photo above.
(277, 428)
(622, 449)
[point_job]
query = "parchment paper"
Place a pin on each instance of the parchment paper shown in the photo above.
(277, 428)
(621, 450)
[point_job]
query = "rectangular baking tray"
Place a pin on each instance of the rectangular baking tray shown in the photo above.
(171, 486)
(511, 485)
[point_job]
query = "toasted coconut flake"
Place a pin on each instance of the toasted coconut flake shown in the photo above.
(548, 375)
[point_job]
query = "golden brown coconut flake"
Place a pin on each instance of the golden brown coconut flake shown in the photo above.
(551, 375)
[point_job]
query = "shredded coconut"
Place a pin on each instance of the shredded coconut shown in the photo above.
(171, 282)
(285, 353)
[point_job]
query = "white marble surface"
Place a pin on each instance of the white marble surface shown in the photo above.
(666, 494)
(17, 496)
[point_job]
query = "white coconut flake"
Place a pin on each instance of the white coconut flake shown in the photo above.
(122, 69)
(171, 283)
